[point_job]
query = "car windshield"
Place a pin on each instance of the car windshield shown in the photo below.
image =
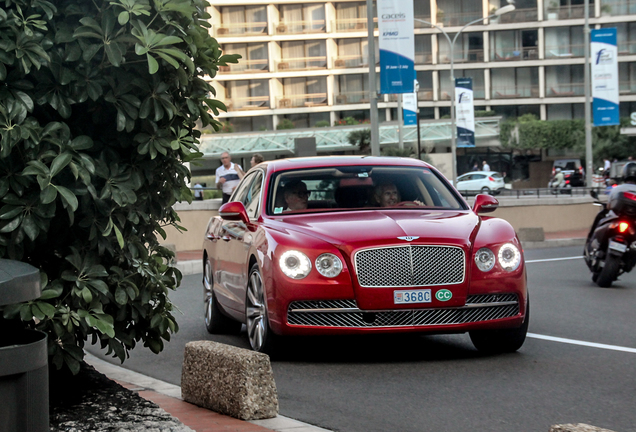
(359, 187)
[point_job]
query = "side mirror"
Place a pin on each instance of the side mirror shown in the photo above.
(234, 211)
(485, 204)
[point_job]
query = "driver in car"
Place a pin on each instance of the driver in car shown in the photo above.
(386, 194)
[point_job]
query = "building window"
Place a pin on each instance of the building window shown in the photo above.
(352, 89)
(249, 124)
(469, 47)
(458, 12)
(361, 116)
(247, 94)
(509, 83)
(422, 10)
(446, 87)
(627, 78)
(626, 32)
(352, 16)
(242, 20)
(564, 80)
(302, 55)
(253, 57)
(564, 42)
(526, 10)
(514, 45)
(423, 49)
(301, 18)
(307, 120)
(303, 92)
(566, 111)
(425, 80)
(514, 111)
(353, 53)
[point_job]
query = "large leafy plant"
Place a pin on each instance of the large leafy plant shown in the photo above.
(98, 108)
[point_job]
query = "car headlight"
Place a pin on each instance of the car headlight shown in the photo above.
(295, 264)
(485, 259)
(328, 265)
(509, 257)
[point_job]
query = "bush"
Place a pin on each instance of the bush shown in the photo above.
(322, 123)
(98, 110)
(226, 127)
(347, 121)
(361, 138)
(285, 124)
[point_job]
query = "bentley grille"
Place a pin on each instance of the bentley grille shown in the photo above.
(345, 313)
(410, 266)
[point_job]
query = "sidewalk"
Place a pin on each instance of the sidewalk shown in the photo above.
(168, 397)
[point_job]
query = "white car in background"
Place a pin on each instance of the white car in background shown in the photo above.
(488, 182)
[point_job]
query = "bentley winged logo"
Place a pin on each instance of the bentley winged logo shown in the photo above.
(409, 238)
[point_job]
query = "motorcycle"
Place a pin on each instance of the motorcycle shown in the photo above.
(610, 249)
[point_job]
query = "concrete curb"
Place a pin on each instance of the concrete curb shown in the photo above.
(278, 423)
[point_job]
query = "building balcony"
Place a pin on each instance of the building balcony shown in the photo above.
(302, 63)
(356, 97)
(618, 8)
(352, 24)
(519, 15)
(246, 66)
(456, 19)
(302, 100)
(462, 56)
(568, 12)
(424, 57)
(426, 18)
(627, 87)
(300, 27)
(513, 92)
(351, 61)
(479, 92)
(241, 29)
(564, 90)
(517, 54)
(247, 103)
(564, 51)
(626, 48)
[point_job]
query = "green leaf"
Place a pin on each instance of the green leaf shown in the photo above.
(153, 66)
(47, 309)
(120, 238)
(11, 226)
(68, 197)
(59, 163)
(48, 194)
(30, 228)
(120, 296)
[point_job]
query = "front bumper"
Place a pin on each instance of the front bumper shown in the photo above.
(344, 316)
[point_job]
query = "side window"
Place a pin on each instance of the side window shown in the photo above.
(253, 196)
(243, 188)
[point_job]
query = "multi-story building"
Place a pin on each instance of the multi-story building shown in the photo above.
(308, 61)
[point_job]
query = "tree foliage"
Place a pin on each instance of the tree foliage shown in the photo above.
(98, 110)
(361, 138)
(527, 132)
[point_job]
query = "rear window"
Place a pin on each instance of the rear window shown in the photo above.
(496, 175)
(358, 187)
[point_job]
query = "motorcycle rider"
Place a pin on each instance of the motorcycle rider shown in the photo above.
(559, 179)
(629, 185)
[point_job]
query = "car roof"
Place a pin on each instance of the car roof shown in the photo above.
(481, 172)
(333, 161)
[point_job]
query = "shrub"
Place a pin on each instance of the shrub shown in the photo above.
(285, 124)
(347, 121)
(361, 138)
(226, 127)
(98, 110)
(322, 123)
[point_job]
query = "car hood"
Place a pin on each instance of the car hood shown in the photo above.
(354, 230)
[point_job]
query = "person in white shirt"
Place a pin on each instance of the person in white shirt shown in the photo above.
(227, 176)
(485, 166)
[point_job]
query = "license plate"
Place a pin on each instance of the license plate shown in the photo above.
(412, 296)
(619, 247)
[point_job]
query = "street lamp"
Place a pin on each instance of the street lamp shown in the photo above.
(451, 43)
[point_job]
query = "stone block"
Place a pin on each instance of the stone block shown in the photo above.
(229, 380)
(579, 427)
(531, 234)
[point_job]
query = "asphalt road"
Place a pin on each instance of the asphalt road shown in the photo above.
(441, 383)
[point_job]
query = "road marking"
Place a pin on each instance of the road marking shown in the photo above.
(554, 259)
(582, 343)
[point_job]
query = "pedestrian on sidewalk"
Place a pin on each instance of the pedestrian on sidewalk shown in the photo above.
(227, 176)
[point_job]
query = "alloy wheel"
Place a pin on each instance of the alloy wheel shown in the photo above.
(256, 311)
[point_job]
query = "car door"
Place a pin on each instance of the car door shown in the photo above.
(463, 182)
(238, 238)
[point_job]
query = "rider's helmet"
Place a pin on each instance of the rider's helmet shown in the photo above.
(557, 170)
(629, 172)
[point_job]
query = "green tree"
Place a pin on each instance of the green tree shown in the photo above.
(98, 109)
(361, 138)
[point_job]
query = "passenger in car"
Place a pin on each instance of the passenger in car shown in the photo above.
(296, 196)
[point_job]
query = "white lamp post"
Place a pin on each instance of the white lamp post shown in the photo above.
(498, 12)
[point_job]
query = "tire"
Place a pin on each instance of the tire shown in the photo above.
(215, 321)
(485, 190)
(501, 341)
(609, 272)
(261, 337)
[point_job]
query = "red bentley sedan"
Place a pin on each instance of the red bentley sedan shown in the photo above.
(361, 244)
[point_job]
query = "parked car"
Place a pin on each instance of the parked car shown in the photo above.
(572, 170)
(358, 245)
(489, 182)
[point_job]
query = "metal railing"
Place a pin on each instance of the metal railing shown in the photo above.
(247, 103)
(257, 65)
(299, 27)
(546, 193)
(241, 29)
(302, 63)
(519, 91)
(304, 100)
(516, 54)
(352, 24)
(564, 51)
